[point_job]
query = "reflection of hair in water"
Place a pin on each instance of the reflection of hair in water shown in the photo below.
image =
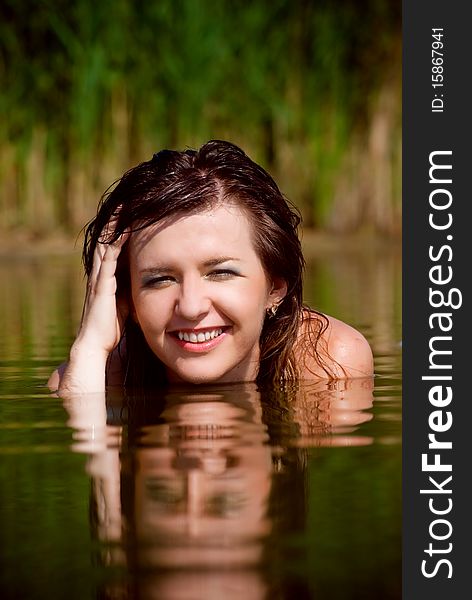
(182, 183)
(288, 500)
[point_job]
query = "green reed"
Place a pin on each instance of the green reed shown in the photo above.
(311, 89)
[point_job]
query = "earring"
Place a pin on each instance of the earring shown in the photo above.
(271, 311)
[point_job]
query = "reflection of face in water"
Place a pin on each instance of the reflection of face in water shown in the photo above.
(203, 488)
(202, 482)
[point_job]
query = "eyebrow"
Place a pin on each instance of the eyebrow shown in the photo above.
(212, 262)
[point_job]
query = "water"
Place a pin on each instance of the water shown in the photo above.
(223, 492)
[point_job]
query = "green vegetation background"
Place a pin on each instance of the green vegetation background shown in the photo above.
(310, 88)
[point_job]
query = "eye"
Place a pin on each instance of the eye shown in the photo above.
(225, 504)
(219, 274)
(158, 281)
(167, 493)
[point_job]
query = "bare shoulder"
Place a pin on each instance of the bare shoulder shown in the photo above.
(341, 348)
(349, 348)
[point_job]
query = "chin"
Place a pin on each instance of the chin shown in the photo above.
(200, 377)
(196, 378)
(198, 372)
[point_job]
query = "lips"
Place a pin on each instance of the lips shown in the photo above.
(198, 337)
(201, 340)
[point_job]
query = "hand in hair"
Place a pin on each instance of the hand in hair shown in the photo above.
(101, 326)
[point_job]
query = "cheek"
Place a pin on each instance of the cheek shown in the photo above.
(151, 312)
(255, 297)
(246, 302)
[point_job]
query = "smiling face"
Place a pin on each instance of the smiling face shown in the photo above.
(200, 295)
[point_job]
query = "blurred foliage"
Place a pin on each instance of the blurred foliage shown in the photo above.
(309, 88)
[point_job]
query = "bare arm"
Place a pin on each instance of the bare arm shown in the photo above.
(114, 369)
(100, 329)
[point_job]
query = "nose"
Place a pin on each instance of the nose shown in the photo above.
(195, 501)
(193, 302)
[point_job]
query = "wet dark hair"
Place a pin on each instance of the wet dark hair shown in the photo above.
(187, 182)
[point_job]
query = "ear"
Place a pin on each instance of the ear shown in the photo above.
(278, 291)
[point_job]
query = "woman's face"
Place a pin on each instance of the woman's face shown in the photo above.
(200, 294)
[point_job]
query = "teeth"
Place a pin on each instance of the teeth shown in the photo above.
(200, 337)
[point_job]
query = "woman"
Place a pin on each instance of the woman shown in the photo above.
(195, 275)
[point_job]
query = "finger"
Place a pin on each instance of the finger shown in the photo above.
(102, 250)
(109, 229)
(101, 245)
(98, 254)
(122, 239)
(106, 281)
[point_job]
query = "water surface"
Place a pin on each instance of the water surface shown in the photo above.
(224, 492)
